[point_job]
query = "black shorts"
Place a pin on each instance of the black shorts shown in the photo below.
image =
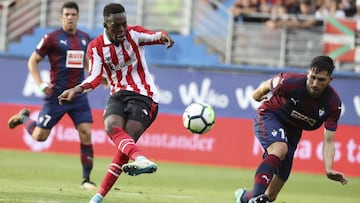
(132, 106)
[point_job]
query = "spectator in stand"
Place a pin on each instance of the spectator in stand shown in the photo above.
(318, 4)
(349, 7)
(292, 6)
(357, 14)
(241, 8)
(266, 5)
(330, 8)
(303, 18)
(279, 16)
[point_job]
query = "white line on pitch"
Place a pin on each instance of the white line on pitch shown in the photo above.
(156, 195)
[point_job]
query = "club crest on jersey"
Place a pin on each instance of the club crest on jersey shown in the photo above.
(83, 41)
(321, 112)
(274, 133)
(114, 67)
(111, 65)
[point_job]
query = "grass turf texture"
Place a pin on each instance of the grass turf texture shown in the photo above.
(55, 178)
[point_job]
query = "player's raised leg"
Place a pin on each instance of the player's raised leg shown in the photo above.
(18, 118)
(111, 176)
(139, 166)
(126, 144)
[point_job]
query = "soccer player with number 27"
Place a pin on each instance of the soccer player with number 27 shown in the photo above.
(65, 48)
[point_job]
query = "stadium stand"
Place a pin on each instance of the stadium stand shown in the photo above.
(201, 30)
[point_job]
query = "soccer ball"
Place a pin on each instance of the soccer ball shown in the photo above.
(198, 118)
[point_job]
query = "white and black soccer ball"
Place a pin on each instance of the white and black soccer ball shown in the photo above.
(198, 117)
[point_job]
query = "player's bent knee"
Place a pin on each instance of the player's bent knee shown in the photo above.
(40, 138)
(40, 134)
(112, 125)
(85, 136)
(278, 149)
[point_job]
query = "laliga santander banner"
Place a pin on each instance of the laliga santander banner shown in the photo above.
(230, 143)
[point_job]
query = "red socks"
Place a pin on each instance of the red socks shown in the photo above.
(125, 143)
(113, 173)
(126, 149)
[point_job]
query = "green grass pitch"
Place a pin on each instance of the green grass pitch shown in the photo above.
(29, 177)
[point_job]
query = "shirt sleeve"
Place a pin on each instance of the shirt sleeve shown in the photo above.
(145, 36)
(334, 115)
(43, 46)
(277, 83)
(95, 73)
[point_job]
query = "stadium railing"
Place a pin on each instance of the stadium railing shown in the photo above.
(17, 19)
(244, 43)
(252, 43)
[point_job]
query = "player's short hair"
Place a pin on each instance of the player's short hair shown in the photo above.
(70, 4)
(307, 2)
(113, 8)
(322, 63)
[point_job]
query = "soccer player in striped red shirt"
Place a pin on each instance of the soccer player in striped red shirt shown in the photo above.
(298, 102)
(119, 55)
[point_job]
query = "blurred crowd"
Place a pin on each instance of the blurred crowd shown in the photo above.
(293, 13)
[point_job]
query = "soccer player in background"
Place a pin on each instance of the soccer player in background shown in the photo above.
(119, 54)
(66, 51)
(298, 102)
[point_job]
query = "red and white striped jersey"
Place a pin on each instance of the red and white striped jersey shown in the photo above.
(125, 65)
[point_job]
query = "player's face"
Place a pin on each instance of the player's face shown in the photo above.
(317, 82)
(69, 18)
(115, 25)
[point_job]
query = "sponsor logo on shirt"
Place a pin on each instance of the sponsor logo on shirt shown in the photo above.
(299, 116)
(75, 59)
(321, 112)
(119, 66)
(64, 42)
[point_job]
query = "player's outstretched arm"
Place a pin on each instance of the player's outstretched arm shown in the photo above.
(337, 176)
(166, 39)
(328, 157)
(69, 94)
(261, 92)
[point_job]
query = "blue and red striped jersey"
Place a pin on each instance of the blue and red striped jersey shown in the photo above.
(66, 54)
